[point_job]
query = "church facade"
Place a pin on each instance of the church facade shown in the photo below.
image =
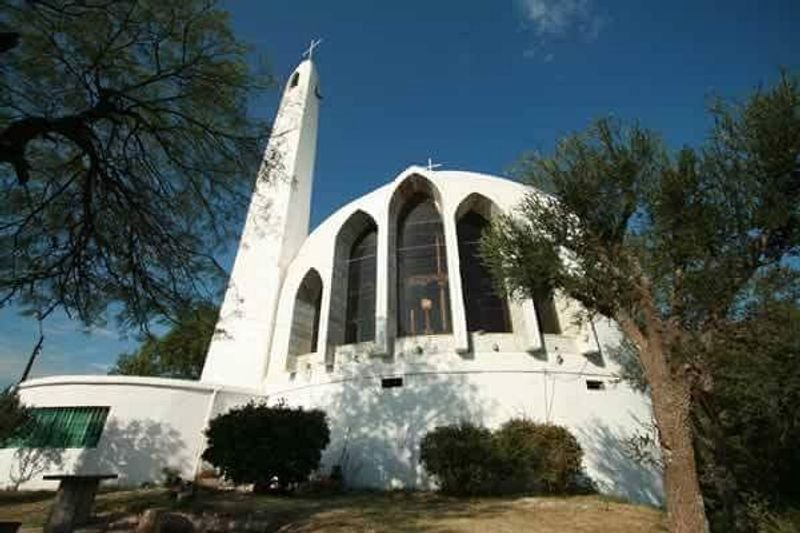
(383, 316)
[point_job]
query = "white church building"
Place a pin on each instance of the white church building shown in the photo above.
(383, 316)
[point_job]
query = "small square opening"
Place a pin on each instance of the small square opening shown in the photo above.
(391, 383)
(595, 384)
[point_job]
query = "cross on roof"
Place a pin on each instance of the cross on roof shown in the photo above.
(432, 165)
(310, 52)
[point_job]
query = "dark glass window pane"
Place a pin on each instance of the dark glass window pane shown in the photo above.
(61, 427)
(305, 319)
(423, 294)
(486, 310)
(361, 271)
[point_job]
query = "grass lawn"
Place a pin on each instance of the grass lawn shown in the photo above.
(370, 511)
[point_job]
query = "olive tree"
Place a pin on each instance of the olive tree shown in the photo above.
(673, 247)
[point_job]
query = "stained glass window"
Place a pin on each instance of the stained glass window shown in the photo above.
(423, 304)
(361, 270)
(486, 310)
(61, 427)
(305, 319)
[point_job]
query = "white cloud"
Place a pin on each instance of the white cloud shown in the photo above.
(550, 19)
(103, 368)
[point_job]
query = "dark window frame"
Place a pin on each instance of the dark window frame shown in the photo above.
(308, 295)
(485, 309)
(421, 269)
(362, 261)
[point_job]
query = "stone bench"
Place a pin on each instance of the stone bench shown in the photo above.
(74, 500)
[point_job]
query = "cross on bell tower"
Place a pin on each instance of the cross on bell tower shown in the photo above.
(309, 53)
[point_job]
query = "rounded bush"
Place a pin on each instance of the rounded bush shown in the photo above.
(520, 457)
(462, 457)
(542, 458)
(267, 446)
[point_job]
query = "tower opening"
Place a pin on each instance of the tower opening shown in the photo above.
(295, 80)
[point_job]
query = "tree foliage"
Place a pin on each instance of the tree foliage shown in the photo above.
(179, 353)
(672, 246)
(265, 445)
(749, 425)
(125, 153)
(13, 414)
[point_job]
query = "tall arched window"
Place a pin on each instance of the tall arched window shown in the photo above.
(361, 270)
(486, 310)
(305, 317)
(423, 296)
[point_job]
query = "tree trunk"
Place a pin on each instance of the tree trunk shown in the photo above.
(671, 407)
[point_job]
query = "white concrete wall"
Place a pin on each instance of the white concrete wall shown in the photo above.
(376, 432)
(152, 424)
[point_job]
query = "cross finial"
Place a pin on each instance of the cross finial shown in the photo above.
(310, 52)
(432, 165)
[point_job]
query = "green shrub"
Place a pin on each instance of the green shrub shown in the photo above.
(521, 457)
(541, 458)
(268, 446)
(13, 414)
(462, 457)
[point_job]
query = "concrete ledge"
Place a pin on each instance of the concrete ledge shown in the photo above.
(136, 381)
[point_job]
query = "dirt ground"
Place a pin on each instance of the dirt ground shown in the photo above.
(360, 511)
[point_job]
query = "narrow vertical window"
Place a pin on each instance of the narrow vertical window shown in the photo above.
(546, 313)
(295, 80)
(486, 310)
(361, 272)
(305, 318)
(423, 294)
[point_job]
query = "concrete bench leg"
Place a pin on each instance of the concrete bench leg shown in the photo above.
(72, 506)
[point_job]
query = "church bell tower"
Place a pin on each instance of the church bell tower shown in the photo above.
(276, 225)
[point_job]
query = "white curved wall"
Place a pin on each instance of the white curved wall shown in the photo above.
(376, 431)
(152, 424)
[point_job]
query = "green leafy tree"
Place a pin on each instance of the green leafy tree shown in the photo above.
(672, 247)
(13, 414)
(125, 153)
(267, 445)
(180, 353)
(749, 424)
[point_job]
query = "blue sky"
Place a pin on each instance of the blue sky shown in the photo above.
(473, 84)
